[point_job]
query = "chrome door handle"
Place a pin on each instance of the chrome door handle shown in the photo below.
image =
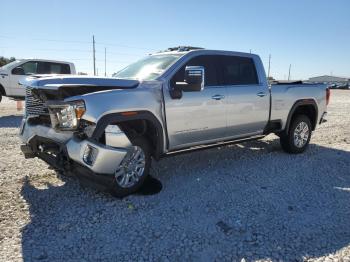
(218, 97)
(261, 94)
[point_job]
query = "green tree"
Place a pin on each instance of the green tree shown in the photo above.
(4, 60)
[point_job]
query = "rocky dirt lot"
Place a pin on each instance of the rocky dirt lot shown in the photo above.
(248, 201)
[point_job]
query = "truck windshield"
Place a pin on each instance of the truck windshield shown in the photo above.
(5, 67)
(148, 68)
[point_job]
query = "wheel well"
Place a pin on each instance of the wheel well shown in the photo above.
(141, 127)
(2, 91)
(308, 110)
(140, 123)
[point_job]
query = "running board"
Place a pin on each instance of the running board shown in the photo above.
(207, 146)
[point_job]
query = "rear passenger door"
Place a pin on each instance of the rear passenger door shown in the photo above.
(247, 100)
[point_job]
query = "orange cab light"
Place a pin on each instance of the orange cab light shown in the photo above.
(79, 112)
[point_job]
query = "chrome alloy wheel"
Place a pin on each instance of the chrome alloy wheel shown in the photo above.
(131, 168)
(301, 134)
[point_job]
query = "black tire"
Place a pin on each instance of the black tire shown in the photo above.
(119, 191)
(287, 140)
(0, 97)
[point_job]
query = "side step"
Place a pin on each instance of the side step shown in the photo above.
(207, 146)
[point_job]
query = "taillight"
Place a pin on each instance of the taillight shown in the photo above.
(328, 95)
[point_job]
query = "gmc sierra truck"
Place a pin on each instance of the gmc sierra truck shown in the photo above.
(107, 130)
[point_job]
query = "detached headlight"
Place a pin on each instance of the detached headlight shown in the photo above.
(66, 116)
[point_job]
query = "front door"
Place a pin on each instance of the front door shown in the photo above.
(197, 117)
(29, 68)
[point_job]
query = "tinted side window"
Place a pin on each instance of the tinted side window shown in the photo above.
(53, 68)
(64, 68)
(43, 68)
(29, 68)
(209, 62)
(238, 70)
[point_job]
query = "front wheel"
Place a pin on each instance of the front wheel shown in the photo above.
(298, 137)
(133, 170)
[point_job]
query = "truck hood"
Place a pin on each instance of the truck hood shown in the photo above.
(61, 87)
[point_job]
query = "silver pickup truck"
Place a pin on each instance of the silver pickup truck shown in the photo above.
(107, 130)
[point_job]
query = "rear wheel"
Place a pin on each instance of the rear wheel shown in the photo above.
(133, 170)
(298, 137)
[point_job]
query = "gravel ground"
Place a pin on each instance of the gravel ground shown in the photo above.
(248, 201)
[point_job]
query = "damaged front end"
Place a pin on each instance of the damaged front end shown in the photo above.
(55, 131)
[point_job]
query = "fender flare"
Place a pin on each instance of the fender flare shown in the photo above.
(104, 121)
(298, 103)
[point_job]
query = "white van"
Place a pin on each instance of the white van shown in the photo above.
(11, 73)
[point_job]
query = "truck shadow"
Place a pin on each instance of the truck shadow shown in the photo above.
(12, 121)
(243, 201)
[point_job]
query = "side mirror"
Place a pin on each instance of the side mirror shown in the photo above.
(194, 79)
(18, 71)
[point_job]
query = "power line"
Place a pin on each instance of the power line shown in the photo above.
(117, 53)
(62, 41)
(268, 74)
(290, 66)
(79, 42)
(73, 50)
(126, 46)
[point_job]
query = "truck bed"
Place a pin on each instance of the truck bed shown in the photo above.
(285, 95)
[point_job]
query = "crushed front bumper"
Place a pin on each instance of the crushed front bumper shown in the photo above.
(63, 151)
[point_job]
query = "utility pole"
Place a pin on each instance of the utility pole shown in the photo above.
(268, 72)
(105, 62)
(290, 66)
(93, 53)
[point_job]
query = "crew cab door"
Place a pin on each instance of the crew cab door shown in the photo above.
(248, 99)
(20, 72)
(200, 116)
(5, 80)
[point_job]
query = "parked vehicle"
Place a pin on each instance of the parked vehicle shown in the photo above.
(12, 73)
(333, 86)
(343, 86)
(107, 130)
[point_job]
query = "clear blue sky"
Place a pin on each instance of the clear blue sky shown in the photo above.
(313, 36)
